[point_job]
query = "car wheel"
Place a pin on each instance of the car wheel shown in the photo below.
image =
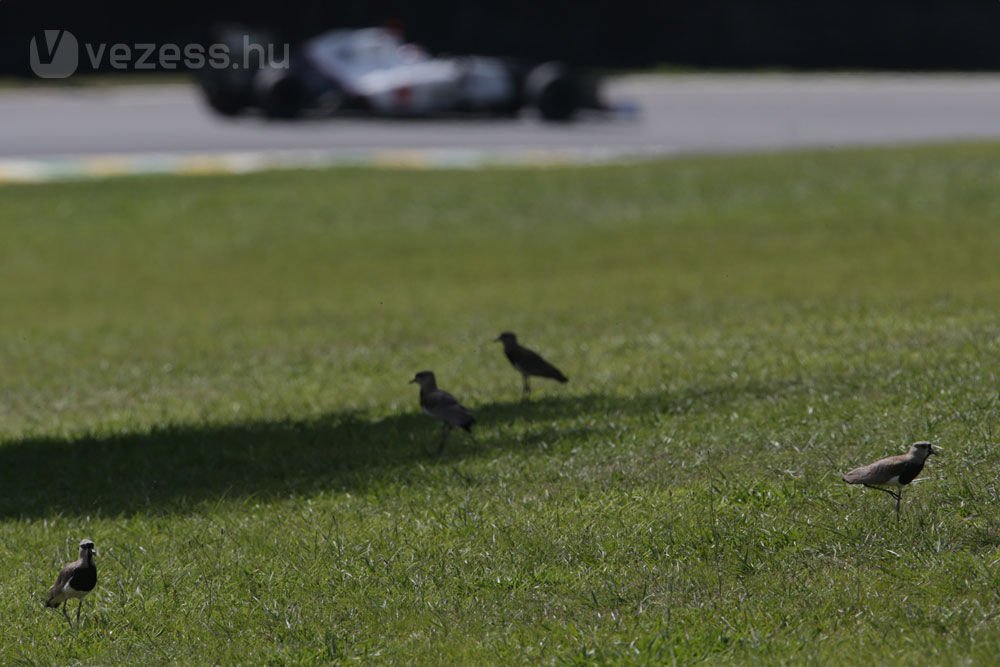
(554, 91)
(225, 106)
(280, 94)
(223, 96)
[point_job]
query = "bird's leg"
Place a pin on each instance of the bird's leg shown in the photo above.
(527, 388)
(65, 614)
(80, 604)
(897, 495)
(879, 488)
(444, 436)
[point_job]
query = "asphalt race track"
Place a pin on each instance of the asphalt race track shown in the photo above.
(681, 113)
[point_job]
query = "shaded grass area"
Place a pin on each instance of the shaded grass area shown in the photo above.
(208, 377)
(180, 467)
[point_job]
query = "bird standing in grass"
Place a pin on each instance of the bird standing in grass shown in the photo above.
(894, 472)
(441, 405)
(75, 580)
(528, 362)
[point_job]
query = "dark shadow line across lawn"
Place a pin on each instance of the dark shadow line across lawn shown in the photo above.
(174, 468)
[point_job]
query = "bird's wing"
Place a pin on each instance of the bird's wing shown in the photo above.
(55, 593)
(446, 407)
(879, 472)
(532, 363)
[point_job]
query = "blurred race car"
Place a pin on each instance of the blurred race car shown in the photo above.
(372, 71)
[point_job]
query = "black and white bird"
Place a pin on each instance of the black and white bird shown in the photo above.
(441, 405)
(893, 473)
(528, 362)
(75, 580)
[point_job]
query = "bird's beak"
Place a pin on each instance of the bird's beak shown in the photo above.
(412, 381)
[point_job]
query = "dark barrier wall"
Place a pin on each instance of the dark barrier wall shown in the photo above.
(894, 34)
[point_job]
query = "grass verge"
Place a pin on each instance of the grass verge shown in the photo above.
(207, 376)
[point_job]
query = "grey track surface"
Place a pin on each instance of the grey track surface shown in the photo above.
(696, 113)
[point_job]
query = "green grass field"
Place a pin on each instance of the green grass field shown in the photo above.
(208, 376)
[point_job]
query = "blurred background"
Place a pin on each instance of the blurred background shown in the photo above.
(677, 76)
(851, 34)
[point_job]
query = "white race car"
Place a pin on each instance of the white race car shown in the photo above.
(372, 71)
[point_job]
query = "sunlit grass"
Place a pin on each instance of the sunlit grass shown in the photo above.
(209, 378)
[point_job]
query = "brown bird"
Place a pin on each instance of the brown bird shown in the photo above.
(894, 471)
(441, 405)
(75, 580)
(528, 362)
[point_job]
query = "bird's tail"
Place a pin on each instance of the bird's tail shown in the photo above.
(851, 477)
(553, 373)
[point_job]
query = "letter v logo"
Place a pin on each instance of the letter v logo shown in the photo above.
(54, 54)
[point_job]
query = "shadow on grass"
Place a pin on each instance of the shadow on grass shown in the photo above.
(174, 468)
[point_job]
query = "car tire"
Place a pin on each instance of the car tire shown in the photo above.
(554, 91)
(280, 95)
(225, 106)
(223, 98)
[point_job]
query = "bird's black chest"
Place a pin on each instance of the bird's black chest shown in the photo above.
(910, 471)
(515, 357)
(84, 579)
